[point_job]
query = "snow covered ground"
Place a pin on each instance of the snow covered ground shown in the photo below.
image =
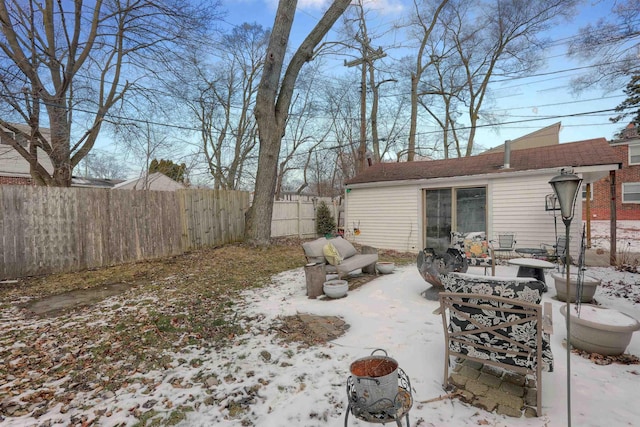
(260, 381)
(627, 239)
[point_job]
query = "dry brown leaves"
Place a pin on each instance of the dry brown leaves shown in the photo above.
(599, 359)
(190, 299)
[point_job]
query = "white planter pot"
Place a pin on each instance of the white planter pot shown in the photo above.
(335, 288)
(588, 290)
(600, 330)
(385, 267)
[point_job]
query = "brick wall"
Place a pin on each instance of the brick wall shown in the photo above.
(600, 205)
(14, 180)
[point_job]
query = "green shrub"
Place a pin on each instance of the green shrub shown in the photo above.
(325, 223)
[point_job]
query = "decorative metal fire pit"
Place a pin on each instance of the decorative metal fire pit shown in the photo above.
(378, 391)
(432, 264)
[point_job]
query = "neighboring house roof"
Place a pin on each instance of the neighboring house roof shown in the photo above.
(77, 181)
(156, 181)
(544, 137)
(592, 152)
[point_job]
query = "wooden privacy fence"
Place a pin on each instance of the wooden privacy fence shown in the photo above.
(46, 230)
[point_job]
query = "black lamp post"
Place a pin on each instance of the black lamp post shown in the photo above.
(566, 187)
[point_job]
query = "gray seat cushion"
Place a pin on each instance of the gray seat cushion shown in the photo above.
(313, 250)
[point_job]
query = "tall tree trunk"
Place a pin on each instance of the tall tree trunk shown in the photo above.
(272, 106)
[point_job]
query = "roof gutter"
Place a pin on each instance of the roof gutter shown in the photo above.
(483, 177)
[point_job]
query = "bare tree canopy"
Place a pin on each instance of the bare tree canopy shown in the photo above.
(611, 45)
(218, 88)
(66, 64)
(473, 44)
(422, 24)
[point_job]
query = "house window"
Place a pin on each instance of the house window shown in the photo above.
(4, 140)
(634, 154)
(584, 193)
(458, 209)
(631, 192)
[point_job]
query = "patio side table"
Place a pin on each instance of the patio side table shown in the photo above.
(531, 267)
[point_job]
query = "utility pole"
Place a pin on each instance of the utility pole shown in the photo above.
(368, 56)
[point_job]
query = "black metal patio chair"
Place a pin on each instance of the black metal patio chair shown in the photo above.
(556, 252)
(503, 245)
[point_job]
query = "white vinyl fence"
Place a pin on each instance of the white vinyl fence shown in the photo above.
(298, 217)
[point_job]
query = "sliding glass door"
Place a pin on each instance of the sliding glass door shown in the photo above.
(438, 223)
(453, 209)
(471, 209)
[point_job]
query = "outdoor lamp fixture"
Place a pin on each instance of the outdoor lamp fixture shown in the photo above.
(566, 187)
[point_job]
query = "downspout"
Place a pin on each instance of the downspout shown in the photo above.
(588, 215)
(507, 154)
(612, 246)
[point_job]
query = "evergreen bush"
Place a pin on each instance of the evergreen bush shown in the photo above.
(325, 223)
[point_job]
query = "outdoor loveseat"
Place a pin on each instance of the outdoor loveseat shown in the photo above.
(340, 256)
(497, 321)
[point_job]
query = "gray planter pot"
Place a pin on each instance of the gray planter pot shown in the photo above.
(588, 290)
(385, 267)
(335, 288)
(600, 330)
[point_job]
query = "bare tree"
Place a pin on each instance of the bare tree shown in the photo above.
(304, 132)
(143, 140)
(63, 66)
(220, 96)
(272, 107)
(611, 46)
(441, 93)
(342, 106)
(501, 37)
(423, 21)
(102, 165)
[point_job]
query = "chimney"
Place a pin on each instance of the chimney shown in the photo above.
(507, 154)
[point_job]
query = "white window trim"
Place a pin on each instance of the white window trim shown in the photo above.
(636, 152)
(623, 192)
(584, 190)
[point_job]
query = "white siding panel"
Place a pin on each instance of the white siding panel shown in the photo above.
(388, 217)
(517, 204)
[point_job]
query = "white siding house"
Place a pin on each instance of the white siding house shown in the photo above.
(156, 181)
(385, 215)
(387, 203)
